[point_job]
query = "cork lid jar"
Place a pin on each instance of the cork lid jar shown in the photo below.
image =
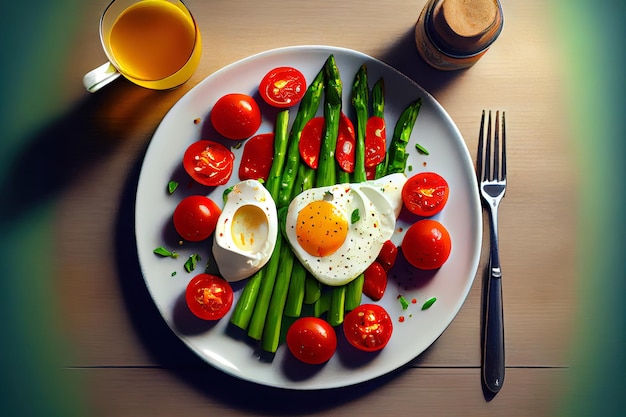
(454, 34)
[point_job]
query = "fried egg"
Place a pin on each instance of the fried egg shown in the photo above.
(337, 232)
(246, 231)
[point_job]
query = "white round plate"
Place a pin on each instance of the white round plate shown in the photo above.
(224, 348)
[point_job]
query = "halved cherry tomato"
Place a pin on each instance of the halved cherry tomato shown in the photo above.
(195, 217)
(311, 141)
(257, 156)
(375, 281)
(346, 142)
(375, 141)
(425, 194)
(209, 297)
(236, 116)
(426, 244)
(311, 340)
(387, 255)
(368, 327)
(209, 163)
(283, 87)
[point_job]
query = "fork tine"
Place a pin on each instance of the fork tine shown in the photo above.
(495, 175)
(487, 172)
(503, 148)
(479, 156)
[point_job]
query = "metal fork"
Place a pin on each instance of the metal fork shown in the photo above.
(491, 171)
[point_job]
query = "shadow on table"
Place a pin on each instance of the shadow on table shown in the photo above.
(54, 156)
(404, 57)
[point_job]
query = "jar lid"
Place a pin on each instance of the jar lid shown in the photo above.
(466, 26)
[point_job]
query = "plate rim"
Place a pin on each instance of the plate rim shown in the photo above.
(330, 50)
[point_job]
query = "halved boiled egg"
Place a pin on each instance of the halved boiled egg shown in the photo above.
(338, 231)
(246, 231)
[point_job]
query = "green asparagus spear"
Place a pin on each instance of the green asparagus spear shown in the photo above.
(273, 322)
(259, 315)
(326, 171)
(360, 102)
(281, 137)
(245, 305)
(337, 307)
(378, 98)
(397, 155)
(307, 110)
(312, 289)
(299, 275)
(295, 295)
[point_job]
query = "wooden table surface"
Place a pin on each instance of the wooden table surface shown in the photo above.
(107, 350)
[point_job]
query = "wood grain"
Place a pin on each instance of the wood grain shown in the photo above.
(123, 359)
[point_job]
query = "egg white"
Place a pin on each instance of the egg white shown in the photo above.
(378, 203)
(239, 260)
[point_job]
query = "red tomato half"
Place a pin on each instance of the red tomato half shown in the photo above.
(195, 217)
(387, 255)
(368, 327)
(425, 194)
(346, 142)
(311, 141)
(375, 281)
(209, 163)
(256, 160)
(283, 87)
(375, 141)
(311, 340)
(236, 116)
(426, 244)
(209, 297)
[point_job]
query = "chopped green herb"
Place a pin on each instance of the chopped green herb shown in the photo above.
(191, 262)
(174, 273)
(172, 186)
(410, 168)
(421, 149)
(328, 196)
(403, 302)
(429, 303)
(355, 216)
(237, 145)
(161, 251)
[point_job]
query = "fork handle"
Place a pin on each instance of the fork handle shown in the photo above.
(493, 342)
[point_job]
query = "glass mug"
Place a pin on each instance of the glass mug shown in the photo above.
(153, 43)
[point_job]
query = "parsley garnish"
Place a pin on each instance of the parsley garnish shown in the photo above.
(355, 216)
(161, 251)
(191, 262)
(429, 303)
(403, 302)
(172, 186)
(421, 149)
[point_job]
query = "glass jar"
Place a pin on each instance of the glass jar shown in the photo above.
(455, 34)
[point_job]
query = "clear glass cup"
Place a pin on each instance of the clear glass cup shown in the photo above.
(153, 43)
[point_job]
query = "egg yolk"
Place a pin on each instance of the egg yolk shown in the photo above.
(321, 228)
(249, 228)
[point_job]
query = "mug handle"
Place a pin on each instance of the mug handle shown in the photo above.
(99, 77)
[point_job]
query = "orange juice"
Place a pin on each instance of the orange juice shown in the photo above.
(155, 43)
